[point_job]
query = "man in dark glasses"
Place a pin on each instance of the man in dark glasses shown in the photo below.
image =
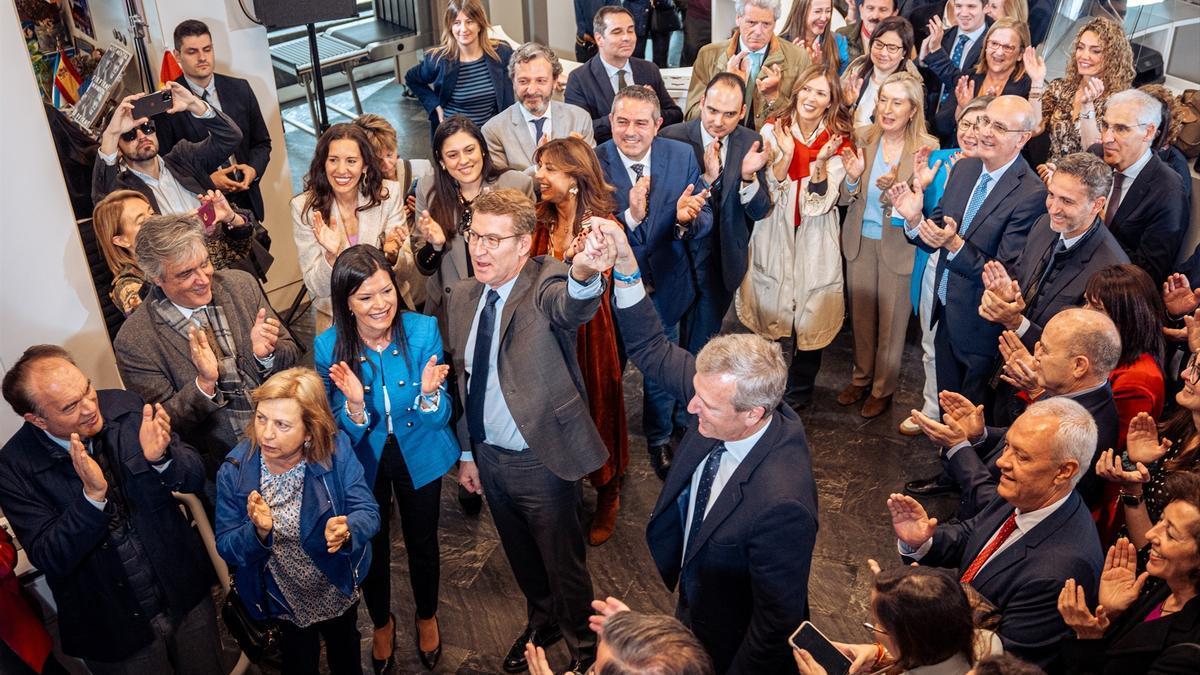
(171, 182)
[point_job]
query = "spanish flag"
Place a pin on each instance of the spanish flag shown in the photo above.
(169, 71)
(66, 79)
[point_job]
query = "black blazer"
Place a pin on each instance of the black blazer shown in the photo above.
(744, 587)
(589, 88)
(940, 71)
(998, 232)
(1152, 218)
(1131, 646)
(239, 103)
(1023, 581)
(945, 126)
(977, 474)
(734, 221)
(67, 538)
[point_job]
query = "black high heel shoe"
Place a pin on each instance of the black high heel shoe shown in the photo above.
(428, 659)
(381, 666)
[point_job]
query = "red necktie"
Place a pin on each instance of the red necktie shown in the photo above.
(1005, 530)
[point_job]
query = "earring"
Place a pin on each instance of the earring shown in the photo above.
(307, 443)
(574, 190)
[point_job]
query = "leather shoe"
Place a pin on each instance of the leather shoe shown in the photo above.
(385, 666)
(909, 427)
(514, 661)
(579, 666)
(471, 503)
(929, 487)
(851, 394)
(660, 459)
(874, 407)
(428, 659)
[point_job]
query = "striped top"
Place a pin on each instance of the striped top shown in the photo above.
(473, 95)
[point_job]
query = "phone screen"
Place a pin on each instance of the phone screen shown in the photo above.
(808, 638)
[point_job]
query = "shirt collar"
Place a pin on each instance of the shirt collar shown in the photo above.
(1081, 392)
(198, 90)
(506, 289)
(64, 444)
(975, 34)
(630, 162)
(739, 449)
(186, 312)
(1069, 242)
(999, 173)
(707, 138)
(743, 48)
(612, 70)
(146, 178)
(1027, 521)
(529, 116)
(1131, 173)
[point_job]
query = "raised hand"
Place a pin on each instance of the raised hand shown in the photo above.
(945, 435)
(260, 514)
(604, 609)
(1072, 605)
(1179, 296)
(122, 119)
(688, 206)
(712, 163)
(940, 237)
(829, 149)
(264, 334)
(393, 241)
(326, 235)
(204, 360)
(851, 87)
(768, 81)
(756, 158)
(922, 170)
(1142, 441)
(94, 484)
(912, 525)
(964, 91)
(1110, 467)
(1035, 66)
(155, 432)
(433, 375)
(182, 99)
(1091, 91)
(430, 231)
(1046, 171)
(907, 200)
(222, 211)
(996, 279)
(595, 258)
(1007, 313)
(1019, 369)
(936, 32)
(785, 141)
(958, 409)
(337, 533)
(1120, 582)
(739, 65)
(852, 159)
(639, 198)
(347, 382)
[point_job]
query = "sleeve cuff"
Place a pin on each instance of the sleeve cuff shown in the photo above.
(628, 296)
(914, 553)
(163, 466)
(209, 112)
(205, 394)
(428, 404)
(629, 221)
(267, 362)
(958, 446)
(747, 193)
(107, 159)
(1023, 328)
(98, 504)
(593, 288)
(466, 456)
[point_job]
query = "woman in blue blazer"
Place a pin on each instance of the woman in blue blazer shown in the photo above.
(468, 73)
(387, 392)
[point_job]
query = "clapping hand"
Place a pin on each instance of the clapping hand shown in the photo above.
(785, 141)
(739, 65)
(829, 149)
(430, 231)
(852, 159)
(907, 200)
(604, 609)
(204, 360)
(639, 198)
(712, 163)
(433, 375)
(922, 170)
(535, 659)
(959, 410)
(393, 241)
(945, 435)
(756, 158)
(347, 382)
(1091, 91)
(155, 432)
(326, 235)
(337, 533)
(964, 91)
(851, 87)
(1110, 467)
(95, 486)
(260, 514)
(1179, 296)
(1035, 66)
(264, 334)
(1120, 582)
(913, 526)
(689, 205)
(768, 81)
(1142, 441)
(1007, 313)
(997, 280)
(1072, 605)
(1019, 368)
(945, 236)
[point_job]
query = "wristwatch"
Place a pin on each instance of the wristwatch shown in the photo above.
(1130, 500)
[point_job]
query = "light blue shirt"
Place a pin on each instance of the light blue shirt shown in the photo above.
(66, 445)
(500, 429)
(872, 225)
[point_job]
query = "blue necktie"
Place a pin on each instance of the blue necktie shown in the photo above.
(956, 57)
(973, 206)
(756, 61)
(538, 123)
(703, 491)
(480, 365)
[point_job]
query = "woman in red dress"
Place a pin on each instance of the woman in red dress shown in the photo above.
(574, 196)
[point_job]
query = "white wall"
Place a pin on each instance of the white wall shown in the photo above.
(46, 291)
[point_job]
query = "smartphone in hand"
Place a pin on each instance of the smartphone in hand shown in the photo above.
(813, 641)
(152, 104)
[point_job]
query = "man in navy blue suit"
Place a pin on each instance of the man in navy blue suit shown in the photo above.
(948, 55)
(734, 162)
(1023, 546)
(594, 85)
(736, 521)
(662, 201)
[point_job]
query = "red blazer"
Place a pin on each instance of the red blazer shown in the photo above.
(22, 629)
(1137, 388)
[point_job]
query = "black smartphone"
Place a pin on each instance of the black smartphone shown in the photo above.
(152, 104)
(813, 641)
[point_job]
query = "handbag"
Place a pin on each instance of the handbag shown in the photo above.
(259, 639)
(664, 18)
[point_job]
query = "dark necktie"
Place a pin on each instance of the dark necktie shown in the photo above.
(1034, 293)
(621, 82)
(955, 56)
(480, 365)
(638, 170)
(538, 124)
(715, 189)
(703, 491)
(1114, 199)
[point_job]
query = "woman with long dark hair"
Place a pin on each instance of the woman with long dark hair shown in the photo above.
(809, 25)
(380, 367)
(890, 51)
(574, 197)
(346, 201)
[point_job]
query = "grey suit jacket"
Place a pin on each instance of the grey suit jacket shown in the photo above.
(156, 364)
(510, 142)
(539, 372)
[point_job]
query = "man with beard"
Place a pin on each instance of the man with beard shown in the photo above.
(514, 134)
(169, 182)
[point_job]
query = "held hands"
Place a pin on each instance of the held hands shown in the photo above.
(264, 334)
(348, 383)
(433, 375)
(596, 257)
(94, 484)
(337, 533)
(204, 360)
(326, 235)
(913, 526)
(756, 158)
(155, 432)
(260, 514)
(1142, 441)
(688, 206)
(639, 198)
(430, 231)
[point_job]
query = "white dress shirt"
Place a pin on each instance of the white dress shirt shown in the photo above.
(547, 126)
(612, 71)
(735, 453)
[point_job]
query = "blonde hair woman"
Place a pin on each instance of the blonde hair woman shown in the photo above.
(879, 260)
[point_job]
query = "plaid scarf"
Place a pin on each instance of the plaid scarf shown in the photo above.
(230, 379)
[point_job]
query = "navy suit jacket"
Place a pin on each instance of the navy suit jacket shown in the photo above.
(734, 220)
(1152, 219)
(661, 255)
(238, 102)
(589, 88)
(940, 71)
(997, 232)
(433, 79)
(1023, 581)
(743, 586)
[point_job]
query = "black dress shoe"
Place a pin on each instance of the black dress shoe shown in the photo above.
(381, 666)
(471, 503)
(514, 661)
(428, 659)
(579, 666)
(929, 487)
(660, 459)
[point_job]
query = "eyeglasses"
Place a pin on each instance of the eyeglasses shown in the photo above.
(147, 129)
(982, 123)
(1119, 129)
(490, 242)
(873, 629)
(967, 125)
(886, 47)
(1191, 374)
(1007, 49)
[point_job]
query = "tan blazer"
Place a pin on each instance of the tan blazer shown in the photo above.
(897, 253)
(713, 59)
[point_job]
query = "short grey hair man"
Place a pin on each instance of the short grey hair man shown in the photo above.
(1075, 438)
(651, 644)
(775, 6)
(1147, 109)
(755, 363)
(530, 51)
(168, 240)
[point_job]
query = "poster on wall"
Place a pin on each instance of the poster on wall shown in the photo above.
(81, 18)
(44, 27)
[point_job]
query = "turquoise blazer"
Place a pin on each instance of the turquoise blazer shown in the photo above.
(933, 195)
(426, 439)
